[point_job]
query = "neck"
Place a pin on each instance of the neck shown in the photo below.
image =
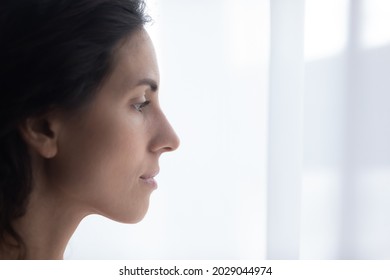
(48, 224)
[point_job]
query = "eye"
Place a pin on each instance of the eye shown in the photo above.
(140, 106)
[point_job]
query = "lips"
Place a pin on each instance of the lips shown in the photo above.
(149, 178)
(150, 175)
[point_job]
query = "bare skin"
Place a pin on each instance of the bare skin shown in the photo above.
(100, 160)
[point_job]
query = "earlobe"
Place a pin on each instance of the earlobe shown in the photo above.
(40, 134)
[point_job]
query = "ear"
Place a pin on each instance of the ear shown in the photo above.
(41, 134)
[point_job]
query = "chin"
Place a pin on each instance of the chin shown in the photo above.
(132, 216)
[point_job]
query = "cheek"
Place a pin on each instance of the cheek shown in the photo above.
(100, 167)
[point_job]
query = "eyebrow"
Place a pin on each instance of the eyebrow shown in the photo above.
(148, 82)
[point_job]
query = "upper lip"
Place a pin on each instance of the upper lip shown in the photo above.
(150, 174)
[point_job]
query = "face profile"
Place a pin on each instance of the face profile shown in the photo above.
(100, 156)
(105, 156)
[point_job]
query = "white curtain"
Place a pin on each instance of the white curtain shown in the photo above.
(329, 176)
(283, 110)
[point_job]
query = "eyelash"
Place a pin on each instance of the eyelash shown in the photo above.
(140, 106)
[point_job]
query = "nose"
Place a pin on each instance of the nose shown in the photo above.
(165, 138)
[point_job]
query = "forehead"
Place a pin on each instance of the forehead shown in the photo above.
(134, 60)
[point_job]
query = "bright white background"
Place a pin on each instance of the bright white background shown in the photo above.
(283, 110)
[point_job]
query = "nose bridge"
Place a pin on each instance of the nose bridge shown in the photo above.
(165, 138)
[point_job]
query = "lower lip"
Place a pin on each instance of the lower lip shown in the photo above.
(150, 182)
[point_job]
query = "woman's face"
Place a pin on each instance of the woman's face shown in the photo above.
(109, 153)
